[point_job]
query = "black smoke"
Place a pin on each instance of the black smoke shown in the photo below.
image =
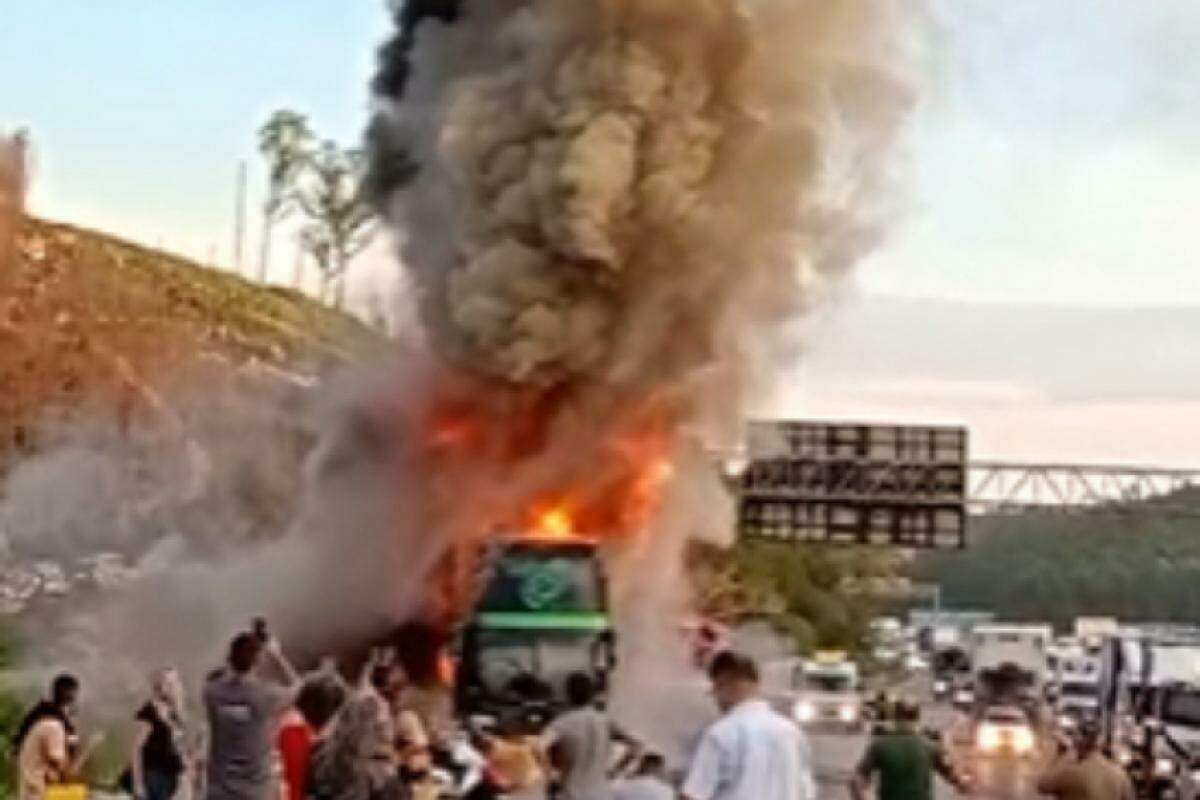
(391, 166)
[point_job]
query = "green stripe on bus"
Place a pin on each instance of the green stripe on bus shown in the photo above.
(541, 622)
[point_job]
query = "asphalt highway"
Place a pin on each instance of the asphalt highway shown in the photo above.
(993, 778)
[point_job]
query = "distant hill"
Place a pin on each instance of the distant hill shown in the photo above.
(1056, 568)
(86, 317)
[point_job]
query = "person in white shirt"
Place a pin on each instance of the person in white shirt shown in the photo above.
(649, 782)
(752, 752)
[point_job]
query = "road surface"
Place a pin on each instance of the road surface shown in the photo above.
(837, 754)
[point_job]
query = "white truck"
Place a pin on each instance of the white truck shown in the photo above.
(823, 692)
(1009, 665)
(1076, 685)
(1150, 704)
(1091, 632)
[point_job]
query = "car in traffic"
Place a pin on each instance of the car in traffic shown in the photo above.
(1005, 731)
(820, 693)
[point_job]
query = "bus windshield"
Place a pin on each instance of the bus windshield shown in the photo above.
(544, 579)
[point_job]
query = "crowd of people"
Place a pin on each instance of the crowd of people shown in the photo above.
(901, 762)
(272, 734)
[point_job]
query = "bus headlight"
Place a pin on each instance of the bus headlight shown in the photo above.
(805, 711)
(1023, 741)
(988, 739)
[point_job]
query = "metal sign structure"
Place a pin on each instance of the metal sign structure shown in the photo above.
(854, 484)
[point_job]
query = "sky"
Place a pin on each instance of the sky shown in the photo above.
(1052, 157)
(1052, 161)
(140, 110)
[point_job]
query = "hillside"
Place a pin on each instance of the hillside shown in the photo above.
(1135, 567)
(87, 318)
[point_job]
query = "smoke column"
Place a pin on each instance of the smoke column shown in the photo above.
(608, 209)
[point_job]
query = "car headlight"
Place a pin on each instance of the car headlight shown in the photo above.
(988, 738)
(847, 713)
(964, 697)
(940, 686)
(805, 711)
(1067, 722)
(1164, 767)
(1023, 740)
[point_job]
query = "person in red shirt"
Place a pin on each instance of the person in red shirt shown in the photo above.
(316, 704)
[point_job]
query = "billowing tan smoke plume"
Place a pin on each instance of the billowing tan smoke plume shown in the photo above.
(623, 191)
(609, 209)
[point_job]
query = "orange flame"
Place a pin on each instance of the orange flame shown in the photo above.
(554, 523)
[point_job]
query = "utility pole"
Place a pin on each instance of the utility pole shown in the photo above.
(298, 274)
(239, 221)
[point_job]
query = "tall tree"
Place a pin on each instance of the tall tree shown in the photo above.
(340, 220)
(285, 142)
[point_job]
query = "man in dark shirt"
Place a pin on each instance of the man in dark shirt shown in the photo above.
(243, 716)
(902, 761)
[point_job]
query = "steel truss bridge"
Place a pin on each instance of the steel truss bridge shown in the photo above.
(995, 487)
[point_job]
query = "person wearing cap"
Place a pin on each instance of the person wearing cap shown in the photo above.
(1084, 772)
(752, 752)
(901, 761)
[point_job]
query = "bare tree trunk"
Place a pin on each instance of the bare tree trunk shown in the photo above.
(339, 289)
(264, 253)
(13, 178)
(298, 270)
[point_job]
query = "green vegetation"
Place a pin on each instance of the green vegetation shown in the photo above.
(799, 590)
(12, 708)
(1058, 568)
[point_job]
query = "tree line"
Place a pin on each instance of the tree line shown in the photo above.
(1140, 567)
(802, 591)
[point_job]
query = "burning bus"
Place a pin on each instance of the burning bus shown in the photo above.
(542, 615)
